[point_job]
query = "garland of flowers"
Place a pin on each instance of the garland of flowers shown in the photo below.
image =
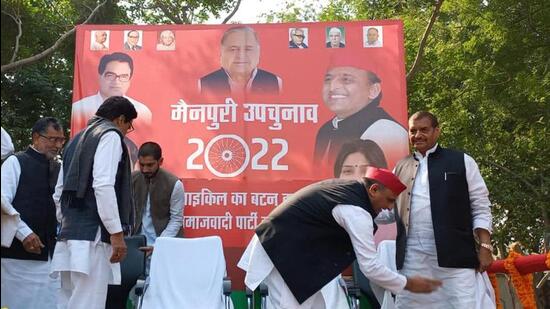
(522, 284)
(494, 283)
(548, 259)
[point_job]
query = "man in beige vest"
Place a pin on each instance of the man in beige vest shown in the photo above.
(158, 195)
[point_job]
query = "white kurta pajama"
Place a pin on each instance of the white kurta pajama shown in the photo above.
(84, 265)
(459, 284)
(25, 283)
(358, 223)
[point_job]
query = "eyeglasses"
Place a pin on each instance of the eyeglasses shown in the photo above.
(134, 36)
(131, 128)
(300, 35)
(53, 139)
(110, 76)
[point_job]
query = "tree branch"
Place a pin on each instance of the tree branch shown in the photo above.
(168, 12)
(17, 20)
(47, 52)
(423, 41)
(232, 12)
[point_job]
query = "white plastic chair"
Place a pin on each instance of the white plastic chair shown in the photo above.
(187, 273)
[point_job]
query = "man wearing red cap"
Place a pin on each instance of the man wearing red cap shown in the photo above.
(445, 206)
(353, 92)
(309, 239)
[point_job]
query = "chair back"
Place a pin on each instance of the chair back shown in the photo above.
(186, 273)
(133, 266)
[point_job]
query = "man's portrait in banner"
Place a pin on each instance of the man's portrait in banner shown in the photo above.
(352, 91)
(239, 72)
(336, 37)
(114, 78)
(373, 36)
(298, 38)
(99, 40)
(166, 40)
(133, 40)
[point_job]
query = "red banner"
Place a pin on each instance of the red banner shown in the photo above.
(247, 114)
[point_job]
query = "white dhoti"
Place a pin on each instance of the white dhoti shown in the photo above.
(459, 284)
(259, 268)
(85, 272)
(26, 285)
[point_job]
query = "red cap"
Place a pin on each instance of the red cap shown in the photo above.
(341, 58)
(387, 178)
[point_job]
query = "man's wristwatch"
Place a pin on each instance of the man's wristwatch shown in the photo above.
(487, 246)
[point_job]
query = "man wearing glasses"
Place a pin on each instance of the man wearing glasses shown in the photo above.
(28, 181)
(132, 41)
(297, 38)
(115, 77)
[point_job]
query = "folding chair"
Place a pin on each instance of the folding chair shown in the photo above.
(132, 268)
(188, 273)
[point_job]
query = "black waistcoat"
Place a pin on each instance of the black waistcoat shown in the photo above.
(329, 139)
(80, 215)
(451, 212)
(33, 200)
(304, 241)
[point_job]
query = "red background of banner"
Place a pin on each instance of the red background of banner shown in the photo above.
(161, 78)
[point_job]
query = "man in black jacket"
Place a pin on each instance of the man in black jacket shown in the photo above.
(309, 239)
(28, 180)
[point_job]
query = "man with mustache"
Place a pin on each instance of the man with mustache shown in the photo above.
(445, 209)
(353, 92)
(28, 181)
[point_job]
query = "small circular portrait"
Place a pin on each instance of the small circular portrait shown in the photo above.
(335, 37)
(297, 38)
(166, 40)
(373, 36)
(99, 40)
(133, 39)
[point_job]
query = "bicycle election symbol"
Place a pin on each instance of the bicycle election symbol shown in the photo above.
(228, 155)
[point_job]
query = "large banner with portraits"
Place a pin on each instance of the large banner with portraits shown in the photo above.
(248, 114)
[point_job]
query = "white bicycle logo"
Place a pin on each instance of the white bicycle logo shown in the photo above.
(226, 155)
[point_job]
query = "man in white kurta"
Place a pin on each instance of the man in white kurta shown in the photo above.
(298, 223)
(422, 255)
(29, 239)
(87, 267)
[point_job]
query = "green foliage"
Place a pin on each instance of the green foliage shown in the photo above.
(175, 11)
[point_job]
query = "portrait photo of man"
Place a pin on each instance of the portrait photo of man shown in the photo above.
(353, 92)
(115, 73)
(133, 40)
(239, 72)
(298, 38)
(166, 40)
(99, 40)
(335, 37)
(372, 36)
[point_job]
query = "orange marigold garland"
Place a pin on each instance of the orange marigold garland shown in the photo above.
(548, 259)
(522, 284)
(494, 283)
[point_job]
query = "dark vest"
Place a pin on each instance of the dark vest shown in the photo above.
(218, 83)
(450, 207)
(160, 189)
(80, 215)
(330, 140)
(33, 200)
(304, 242)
